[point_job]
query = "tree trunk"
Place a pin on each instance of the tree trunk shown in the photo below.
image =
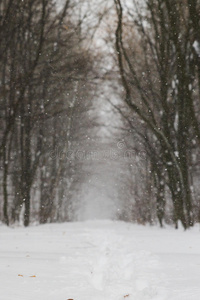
(5, 191)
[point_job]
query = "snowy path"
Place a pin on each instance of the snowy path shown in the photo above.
(98, 261)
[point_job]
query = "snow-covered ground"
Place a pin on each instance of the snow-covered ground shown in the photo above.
(99, 260)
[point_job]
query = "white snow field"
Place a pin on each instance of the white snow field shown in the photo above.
(99, 260)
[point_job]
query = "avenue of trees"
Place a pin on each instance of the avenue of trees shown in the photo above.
(51, 80)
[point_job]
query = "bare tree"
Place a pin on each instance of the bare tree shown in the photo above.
(158, 76)
(41, 57)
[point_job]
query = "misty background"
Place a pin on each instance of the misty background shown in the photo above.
(99, 111)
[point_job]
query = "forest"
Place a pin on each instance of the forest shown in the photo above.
(100, 111)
